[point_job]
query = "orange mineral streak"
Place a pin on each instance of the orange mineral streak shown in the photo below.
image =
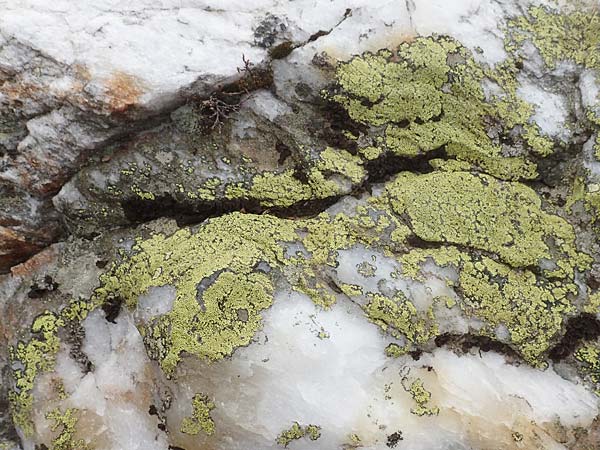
(37, 262)
(123, 91)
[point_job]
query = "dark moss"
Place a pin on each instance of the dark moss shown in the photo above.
(282, 50)
(284, 152)
(138, 210)
(466, 342)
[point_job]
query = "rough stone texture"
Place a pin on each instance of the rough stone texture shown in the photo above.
(76, 77)
(303, 224)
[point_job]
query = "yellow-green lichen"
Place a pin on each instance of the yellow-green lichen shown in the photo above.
(144, 195)
(354, 441)
(366, 269)
(371, 153)
(449, 302)
(427, 95)
(475, 211)
(286, 188)
(342, 162)
(296, 431)
(400, 317)
(573, 36)
(481, 212)
(592, 205)
(589, 355)
(67, 421)
(450, 165)
(225, 318)
(577, 193)
(351, 290)
(209, 326)
(592, 305)
(276, 189)
(532, 309)
(200, 420)
(393, 350)
(208, 189)
(422, 398)
(38, 355)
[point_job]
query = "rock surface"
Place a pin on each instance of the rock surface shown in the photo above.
(272, 224)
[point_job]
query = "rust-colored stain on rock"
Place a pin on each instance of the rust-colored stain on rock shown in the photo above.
(124, 91)
(14, 248)
(44, 258)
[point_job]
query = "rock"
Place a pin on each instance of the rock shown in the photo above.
(27, 225)
(196, 167)
(71, 83)
(358, 226)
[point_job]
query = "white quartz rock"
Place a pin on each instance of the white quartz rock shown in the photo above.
(328, 368)
(111, 401)
(311, 366)
(550, 109)
(161, 48)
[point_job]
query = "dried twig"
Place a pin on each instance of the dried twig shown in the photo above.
(218, 110)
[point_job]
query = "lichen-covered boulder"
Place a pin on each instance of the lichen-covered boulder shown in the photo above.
(376, 238)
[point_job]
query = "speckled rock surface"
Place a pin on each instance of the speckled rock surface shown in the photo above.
(330, 225)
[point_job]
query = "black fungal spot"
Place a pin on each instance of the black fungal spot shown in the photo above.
(415, 354)
(138, 210)
(75, 335)
(389, 164)
(284, 152)
(337, 124)
(300, 174)
(40, 289)
(394, 438)
(112, 308)
(417, 242)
